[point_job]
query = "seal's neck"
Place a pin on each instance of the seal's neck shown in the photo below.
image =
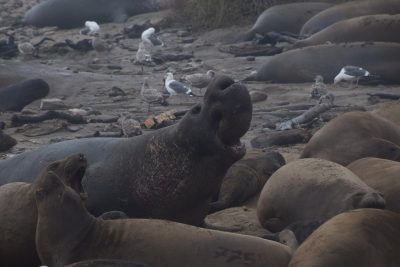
(58, 234)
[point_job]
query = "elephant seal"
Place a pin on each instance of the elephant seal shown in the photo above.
(67, 233)
(310, 190)
(352, 136)
(16, 96)
(18, 213)
(346, 11)
(74, 13)
(245, 179)
(378, 28)
(382, 175)
(171, 173)
(389, 111)
(302, 65)
(359, 238)
(284, 18)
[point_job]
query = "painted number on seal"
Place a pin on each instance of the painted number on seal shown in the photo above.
(247, 258)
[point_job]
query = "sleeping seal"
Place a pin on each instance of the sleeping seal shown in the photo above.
(74, 13)
(359, 238)
(311, 190)
(346, 11)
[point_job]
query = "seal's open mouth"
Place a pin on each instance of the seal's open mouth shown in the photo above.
(74, 170)
(76, 182)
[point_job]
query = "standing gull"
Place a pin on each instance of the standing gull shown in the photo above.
(150, 37)
(351, 74)
(174, 87)
(151, 95)
(91, 28)
(199, 80)
(319, 87)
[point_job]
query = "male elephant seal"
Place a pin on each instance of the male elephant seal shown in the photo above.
(302, 65)
(172, 173)
(18, 213)
(285, 18)
(16, 96)
(382, 175)
(74, 13)
(359, 238)
(346, 11)
(309, 190)
(245, 179)
(352, 136)
(67, 233)
(378, 28)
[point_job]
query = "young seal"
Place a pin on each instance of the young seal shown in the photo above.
(172, 173)
(6, 141)
(16, 96)
(284, 18)
(359, 238)
(67, 233)
(309, 190)
(245, 179)
(382, 175)
(352, 136)
(302, 65)
(74, 13)
(18, 213)
(378, 28)
(346, 11)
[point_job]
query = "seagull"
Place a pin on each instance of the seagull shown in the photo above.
(351, 74)
(174, 87)
(151, 95)
(143, 55)
(91, 28)
(150, 37)
(199, 80)
(319, 87)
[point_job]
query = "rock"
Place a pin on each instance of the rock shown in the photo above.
(257, 96)
(52, 104)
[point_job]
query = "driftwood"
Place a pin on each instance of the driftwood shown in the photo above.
(101, 134)
(385, 96)
(281, 138)
(49, 115)
(251, 50)
(326, 103)
(6, 141)
(286, 107)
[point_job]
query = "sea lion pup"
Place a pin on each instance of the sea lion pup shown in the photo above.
(382, 175)
(352, 136)
(74, 13)
(284, 18)
(378, 28)
(18, 214)
(245, 179)
(172, 173)
(16, 96)
(309, 190)
(359, 238)
(346, 11)
(67, 233)
(303, 64)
